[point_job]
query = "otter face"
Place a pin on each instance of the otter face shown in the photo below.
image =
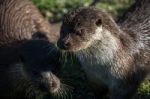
(44, 77)
(41, 65)
(81, 28)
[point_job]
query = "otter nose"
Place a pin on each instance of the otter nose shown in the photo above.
(53, 82)
(67, 44)
(63, 44)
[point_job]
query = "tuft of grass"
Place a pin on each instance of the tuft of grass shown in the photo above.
(144, 89)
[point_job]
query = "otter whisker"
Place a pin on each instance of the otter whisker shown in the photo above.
(62, 92)
(59, 95)
(67, 80)
(66, 57)
(51, 51)
(68, 89)
(65, 94)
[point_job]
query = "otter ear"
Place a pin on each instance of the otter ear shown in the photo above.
(98, 22)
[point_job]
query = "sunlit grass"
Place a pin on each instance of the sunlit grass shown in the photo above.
(55, 9)
(144, 88)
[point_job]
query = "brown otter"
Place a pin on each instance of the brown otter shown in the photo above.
(30, 71)
(20, 19)
(115, 58)
(35, 76)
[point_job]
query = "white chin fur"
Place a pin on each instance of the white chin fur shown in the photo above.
(96, 36)
(98, 33)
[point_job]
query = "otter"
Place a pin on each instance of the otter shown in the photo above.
(21, 20)
(115, 57)
(32, 72)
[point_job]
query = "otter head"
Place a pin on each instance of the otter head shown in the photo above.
(41, 65)
(83, 27)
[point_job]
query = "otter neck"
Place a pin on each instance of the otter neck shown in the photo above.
(102, 51)
(108, 53)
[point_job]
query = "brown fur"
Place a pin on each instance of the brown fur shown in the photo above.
(20, 20)
(30, 71)
(26, 69)
(114, 57)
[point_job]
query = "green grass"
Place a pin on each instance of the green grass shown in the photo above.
(145, 88)
(115, 8)
(55, 9)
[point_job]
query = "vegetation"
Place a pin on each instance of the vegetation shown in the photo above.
(54, 10)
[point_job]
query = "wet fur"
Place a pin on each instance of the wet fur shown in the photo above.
(23, 70)
(21, 20)
(117, 59)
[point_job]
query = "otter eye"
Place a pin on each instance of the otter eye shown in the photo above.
(78, 24)
(80, 32)
(98, 22)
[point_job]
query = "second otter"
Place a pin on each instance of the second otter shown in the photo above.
(30, 71)
(20, 20)
(114, 59)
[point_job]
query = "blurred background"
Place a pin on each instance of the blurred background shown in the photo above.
(54, 11)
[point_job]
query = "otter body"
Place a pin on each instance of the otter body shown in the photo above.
(116, 60)
(33, 75)
(20, 20)
(21, 27)
(28, 61)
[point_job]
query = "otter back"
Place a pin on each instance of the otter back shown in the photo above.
(19, 19)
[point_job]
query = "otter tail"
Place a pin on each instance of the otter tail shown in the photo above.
(137, 19)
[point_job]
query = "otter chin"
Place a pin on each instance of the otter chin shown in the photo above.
(113, 56)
